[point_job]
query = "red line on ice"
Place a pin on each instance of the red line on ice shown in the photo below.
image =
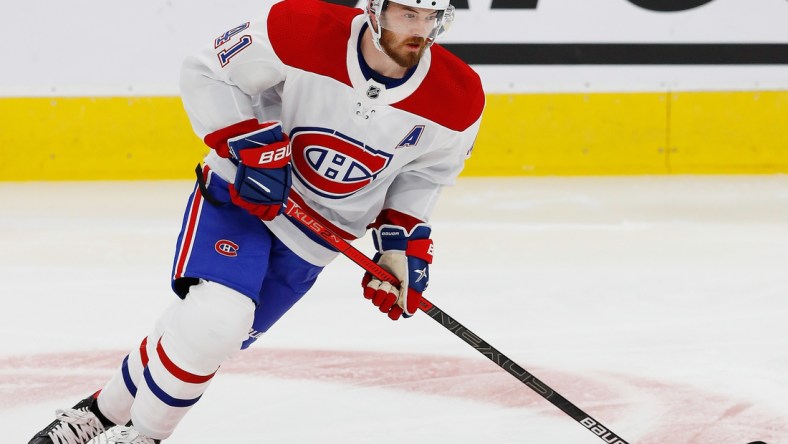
(686, 414)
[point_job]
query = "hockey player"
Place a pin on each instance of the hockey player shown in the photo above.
(354, 115)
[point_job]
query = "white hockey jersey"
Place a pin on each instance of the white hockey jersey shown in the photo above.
(358, 147)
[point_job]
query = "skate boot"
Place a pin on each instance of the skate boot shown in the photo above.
(128, 435)
(76, 425)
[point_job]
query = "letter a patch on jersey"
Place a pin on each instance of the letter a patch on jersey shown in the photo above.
(413, 137)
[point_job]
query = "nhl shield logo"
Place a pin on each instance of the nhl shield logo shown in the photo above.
(373, 92)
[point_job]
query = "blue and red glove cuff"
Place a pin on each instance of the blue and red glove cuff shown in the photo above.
(267, 147)
(395, 238)
(243, 142)
(218, 139)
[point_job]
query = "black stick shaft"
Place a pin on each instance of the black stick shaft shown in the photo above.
(302, 216)
(520, 373)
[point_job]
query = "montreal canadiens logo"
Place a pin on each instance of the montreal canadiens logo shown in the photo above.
(226, 248)
(332, 164)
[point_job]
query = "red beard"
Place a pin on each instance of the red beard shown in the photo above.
(405, 52)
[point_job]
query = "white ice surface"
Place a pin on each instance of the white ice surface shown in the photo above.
(659, 305)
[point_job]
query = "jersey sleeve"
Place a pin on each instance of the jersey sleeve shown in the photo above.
(219, 82)
(416, 189)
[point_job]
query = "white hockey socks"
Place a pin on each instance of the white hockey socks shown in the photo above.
(193, 339)
(118, 394)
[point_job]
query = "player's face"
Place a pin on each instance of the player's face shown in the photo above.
(405, 30)
(406, 51)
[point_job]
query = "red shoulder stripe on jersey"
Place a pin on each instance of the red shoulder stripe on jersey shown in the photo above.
(451, 95)
(178, 372)
(313, 36)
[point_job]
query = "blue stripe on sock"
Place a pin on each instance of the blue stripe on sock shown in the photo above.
(127, 377)
(164, 397)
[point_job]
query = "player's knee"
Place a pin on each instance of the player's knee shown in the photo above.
(211, 324)
(164, 320)
(215, 313)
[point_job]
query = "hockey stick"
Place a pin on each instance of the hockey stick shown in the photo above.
(341, 245)
(304, 218)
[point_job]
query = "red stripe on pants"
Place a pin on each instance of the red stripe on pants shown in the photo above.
(191, 225)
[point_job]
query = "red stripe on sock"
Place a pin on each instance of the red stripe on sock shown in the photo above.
(178, 372)
(144, 352)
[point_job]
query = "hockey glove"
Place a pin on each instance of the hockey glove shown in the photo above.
(262, 182)
(406, 256)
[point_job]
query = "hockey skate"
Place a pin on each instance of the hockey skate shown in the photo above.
(77, 425)
(127, 435)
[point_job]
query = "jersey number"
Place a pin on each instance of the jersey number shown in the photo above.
(226, 54)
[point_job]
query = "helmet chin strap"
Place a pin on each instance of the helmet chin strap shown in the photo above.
(375, 34)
